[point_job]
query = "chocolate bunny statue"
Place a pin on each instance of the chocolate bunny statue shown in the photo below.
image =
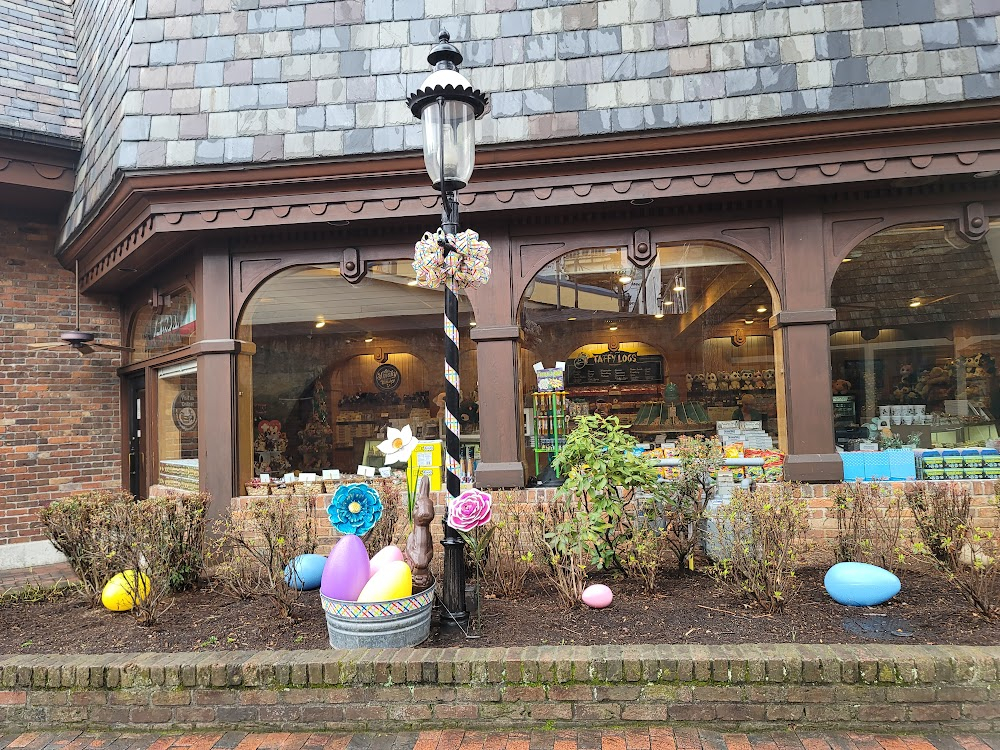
(419, 545)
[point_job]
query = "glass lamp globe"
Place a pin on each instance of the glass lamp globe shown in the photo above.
(448, 106)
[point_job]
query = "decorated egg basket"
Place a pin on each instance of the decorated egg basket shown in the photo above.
(392, 624)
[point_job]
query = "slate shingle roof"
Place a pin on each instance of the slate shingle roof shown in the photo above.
(38, 83)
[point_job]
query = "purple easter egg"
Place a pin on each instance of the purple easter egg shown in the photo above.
(346, 570)
(597, 596)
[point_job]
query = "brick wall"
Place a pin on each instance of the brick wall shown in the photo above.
(59, 411)
(876, 688)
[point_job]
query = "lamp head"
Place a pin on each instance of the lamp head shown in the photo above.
(448, 105)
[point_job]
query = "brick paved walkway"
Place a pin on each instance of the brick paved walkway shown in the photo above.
(39, 575)
(662, 738)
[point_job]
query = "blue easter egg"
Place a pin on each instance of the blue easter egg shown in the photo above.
(305, 572)
(860, 584)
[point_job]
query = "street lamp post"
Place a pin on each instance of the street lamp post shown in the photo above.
(448, 106)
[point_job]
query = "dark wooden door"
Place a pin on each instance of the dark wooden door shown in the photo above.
(136, 404)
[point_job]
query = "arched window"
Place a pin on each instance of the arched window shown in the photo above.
(917, 337)
(337, 363)
(670, 349)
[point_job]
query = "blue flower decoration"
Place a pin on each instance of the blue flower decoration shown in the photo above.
(355, 509)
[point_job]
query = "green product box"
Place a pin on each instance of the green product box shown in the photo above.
(972, 458)
(932, 460)
(992, 472)
(933, 473)
(973, 472)
(955, 472)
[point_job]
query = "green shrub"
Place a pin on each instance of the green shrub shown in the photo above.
(681, 500)
(869, 518)
(80, 527)
(105, 532)
(164, 538)
(765, 532)
(965, 554)
(602, 473)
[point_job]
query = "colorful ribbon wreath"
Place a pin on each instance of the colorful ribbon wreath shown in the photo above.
(464, 267)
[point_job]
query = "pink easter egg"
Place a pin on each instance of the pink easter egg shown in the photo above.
(346, 570)
(383, 556)
(394, 581)
(597, 596)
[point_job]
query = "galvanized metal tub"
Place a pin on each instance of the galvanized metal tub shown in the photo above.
(392, 624)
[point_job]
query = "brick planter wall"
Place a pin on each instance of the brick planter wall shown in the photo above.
(876, 688)
(822, 515)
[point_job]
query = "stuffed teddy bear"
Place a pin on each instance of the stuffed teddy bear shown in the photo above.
(713, 381)
(841, 387)
(689, 379)
(769, 378)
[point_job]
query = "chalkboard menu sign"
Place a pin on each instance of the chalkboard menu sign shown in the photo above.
(611, 368)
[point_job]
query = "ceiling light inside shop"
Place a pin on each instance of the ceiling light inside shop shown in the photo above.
(762, 309)
(749, 321)
(915, 303)
(658, 315)
(613, 328)
(472, 324)
(369, 340)
(668, 302)
(679, 283)
(320, 323)
(625, 278)
(573, 318)
(847, 260)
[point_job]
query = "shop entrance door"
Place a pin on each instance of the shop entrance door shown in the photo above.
(136, 401)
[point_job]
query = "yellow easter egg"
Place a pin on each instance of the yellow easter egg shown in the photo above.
(393, 581)
(118, 593)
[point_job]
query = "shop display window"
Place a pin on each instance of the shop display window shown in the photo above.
(671, 349)
(170, 326)
(337, 363)
(177, 426)
(916, 340)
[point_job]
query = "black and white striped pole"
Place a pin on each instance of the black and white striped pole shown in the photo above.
(448, 107)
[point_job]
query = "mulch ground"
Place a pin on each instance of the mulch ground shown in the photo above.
(684, 609)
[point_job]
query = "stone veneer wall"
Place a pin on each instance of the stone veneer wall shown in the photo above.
(59, 410)
(38, 88)
(103, 39)
(875, 688)
(240, 81)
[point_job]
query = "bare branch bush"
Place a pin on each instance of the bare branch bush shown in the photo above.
(256, 544)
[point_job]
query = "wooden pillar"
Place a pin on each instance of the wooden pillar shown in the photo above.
(802, 350)
(216, 383)
(499, 407)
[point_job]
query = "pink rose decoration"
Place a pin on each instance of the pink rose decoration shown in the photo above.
(470, 509)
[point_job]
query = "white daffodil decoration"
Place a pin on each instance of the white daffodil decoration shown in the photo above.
(398, 445)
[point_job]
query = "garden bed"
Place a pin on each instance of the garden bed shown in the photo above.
(690, 609)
